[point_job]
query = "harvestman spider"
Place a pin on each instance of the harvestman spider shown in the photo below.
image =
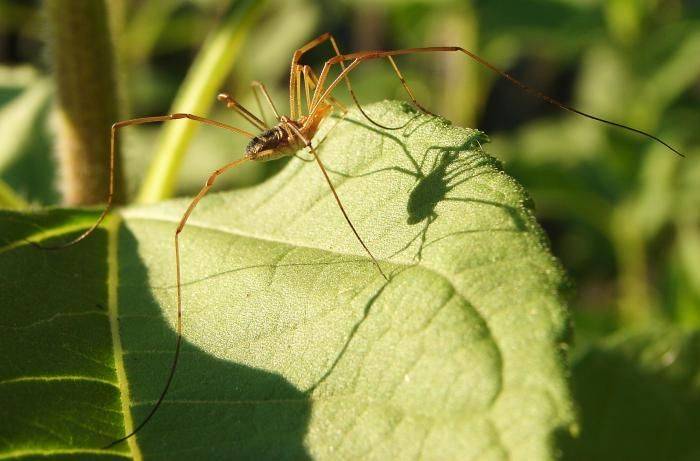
(292, 133)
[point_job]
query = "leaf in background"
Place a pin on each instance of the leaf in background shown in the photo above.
(18, 120)
(196, 95)
(14, 80)
(563, 26)
(685, 269)
(639, 396)
(671, 78)
(25, 144)
(295, 347)
(569, 151)
(9, 198)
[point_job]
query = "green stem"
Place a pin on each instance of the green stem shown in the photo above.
(10, 199)
(196, 96)
(83, 63)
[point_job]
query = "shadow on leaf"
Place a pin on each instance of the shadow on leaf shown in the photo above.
(215, 408)
(438, 172)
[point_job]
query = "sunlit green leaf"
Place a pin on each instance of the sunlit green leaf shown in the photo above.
(295, 346)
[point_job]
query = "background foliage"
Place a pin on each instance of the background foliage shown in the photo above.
(622, 214)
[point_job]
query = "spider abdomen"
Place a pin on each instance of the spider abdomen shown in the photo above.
(271, 139)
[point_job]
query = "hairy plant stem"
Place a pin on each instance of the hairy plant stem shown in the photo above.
(84, 72)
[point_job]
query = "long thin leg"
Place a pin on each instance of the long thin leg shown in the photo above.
(325, 136)
(360, 57)
(310, 82)
(295, 76)
(403, 83)
(245, 113)
(297, 80)
(261, 87)
(292, 72)
(294, 85)
(112, 149)
(260, 107)
(354, 96)
(406, 87)
(307, 143)
(307, 74)
(208, 185)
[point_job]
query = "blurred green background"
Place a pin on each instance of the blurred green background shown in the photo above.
(622, 213)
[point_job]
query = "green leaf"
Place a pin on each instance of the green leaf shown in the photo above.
(22, 129)
(295, 346)
(639, 395)
(9, 198)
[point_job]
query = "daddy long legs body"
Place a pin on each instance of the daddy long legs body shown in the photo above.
(291, 133)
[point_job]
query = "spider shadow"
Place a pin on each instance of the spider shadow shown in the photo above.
(353, 331)
(215, 408)
(439, 171)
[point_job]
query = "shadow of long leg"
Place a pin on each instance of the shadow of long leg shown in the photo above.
(207, 186)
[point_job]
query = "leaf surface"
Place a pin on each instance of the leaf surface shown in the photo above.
(295, 346)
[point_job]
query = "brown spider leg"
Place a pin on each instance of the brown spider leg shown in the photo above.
(303, 159)
(406, 87)
(297, 73)
(307, 85)
(208, 185)
(292, 77)
(294, 84)
(245, 113)
(325, 93)
(335, 194)
(311, 82)
(261, 87)
(357, 58)
(295, 61)
(259, 104)
(112, 155)
(354, 96)
(325, 136)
